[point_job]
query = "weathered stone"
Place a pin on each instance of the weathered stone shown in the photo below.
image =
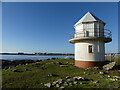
(109, 66)
(52, 75)
(57, 85)
(80, 82)
(15, 70)
(70, 83)
(70, 80)
(26, 70)
(65, 84)
(67, 77)
(62, 87)
(75, 82)
(49, 75)
(84, 73)
(48, 85)
(95, 82)
(54, 83)
(78, 78)
(101, 72)
(108, 76)
(59, 63)
(63, 65)
(96, 68)
(112, 79)
(67, 62)
(59, 80)
(71, 63)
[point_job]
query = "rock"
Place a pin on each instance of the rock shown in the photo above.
(65, 84)
(57, 85)
(70, 83)
(67, 77)
(95, 82)
(48, 85)
(54, 83)
(60, 81)
(108, 76)
(109, 66)
(71, 63)
(50, 75)
(26, 70)
(101, 72)
(62, 87)
(96, 68)
(67, 62)
(118, 70)
(112, 79)
(80, 82)
(78, 78)
(70, 80)
(75, 82)
(59, 63)
(15, 70)
(84, 73)
(63, 65)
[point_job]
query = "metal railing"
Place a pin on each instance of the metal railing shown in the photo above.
(91, 32)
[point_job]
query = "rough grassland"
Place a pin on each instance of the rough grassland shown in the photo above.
(35, 74)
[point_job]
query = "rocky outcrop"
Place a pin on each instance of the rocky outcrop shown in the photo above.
(109, 66)
(67, 82)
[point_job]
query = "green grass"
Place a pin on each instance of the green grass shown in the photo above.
(37, 74)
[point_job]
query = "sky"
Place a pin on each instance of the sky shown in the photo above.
(45, 27)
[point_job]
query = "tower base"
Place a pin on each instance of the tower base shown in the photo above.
(85, 64)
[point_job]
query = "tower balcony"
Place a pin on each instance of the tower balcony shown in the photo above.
(90, 34)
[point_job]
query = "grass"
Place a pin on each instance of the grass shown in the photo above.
(37, 74)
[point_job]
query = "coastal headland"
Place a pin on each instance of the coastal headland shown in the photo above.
(57, 74)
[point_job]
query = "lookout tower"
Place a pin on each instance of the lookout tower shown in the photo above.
(89, 38)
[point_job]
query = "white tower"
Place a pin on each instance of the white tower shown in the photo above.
(89, 38)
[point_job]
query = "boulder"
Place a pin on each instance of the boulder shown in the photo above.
(62, 87)
(57, 85)
(70, 80)
(75, 82)
(63, 65)
(60, 81)
(109, 66)
(65, 84)
(79, 78)
(95, 82)
(48, 85)
(67, 77)
(54, 83)
(101, 72)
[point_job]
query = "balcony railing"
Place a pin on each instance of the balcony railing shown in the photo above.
(91, 32)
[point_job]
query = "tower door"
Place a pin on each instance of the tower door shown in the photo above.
(86, 33)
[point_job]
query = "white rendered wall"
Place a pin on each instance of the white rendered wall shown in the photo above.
(82, 54)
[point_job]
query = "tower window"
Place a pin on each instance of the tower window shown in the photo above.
(90, 49)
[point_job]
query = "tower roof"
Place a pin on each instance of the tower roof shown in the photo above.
(88, 17)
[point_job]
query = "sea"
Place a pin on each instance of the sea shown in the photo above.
(31, 57)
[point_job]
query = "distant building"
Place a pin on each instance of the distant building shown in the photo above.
(90, 38)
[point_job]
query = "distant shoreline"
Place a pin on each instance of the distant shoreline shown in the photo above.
(43, 54)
